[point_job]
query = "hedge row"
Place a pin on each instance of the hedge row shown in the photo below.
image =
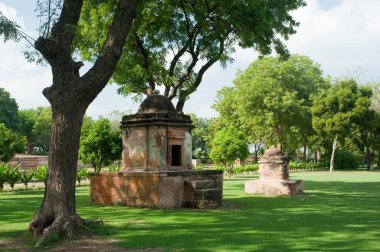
(254, 168)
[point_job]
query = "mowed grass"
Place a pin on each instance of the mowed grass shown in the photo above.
(339, 211)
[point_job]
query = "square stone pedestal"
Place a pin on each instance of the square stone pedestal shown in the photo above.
(274, 176)
(274, 187)
(170, 189)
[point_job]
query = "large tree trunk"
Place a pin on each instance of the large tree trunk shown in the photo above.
(333, 153)
(57, 213)
(69, 95)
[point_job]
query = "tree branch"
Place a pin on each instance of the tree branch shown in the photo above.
(145, 64)
(184, 77)
(70, 14)
(113, 46)
(186, 92)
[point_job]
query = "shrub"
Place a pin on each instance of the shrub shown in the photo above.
(99, 145)
(198, 167)
(250, 168)
(302, 166)
(112, 168)
(26, 176)
(228, 145)
(3, 174)
(41, 174)
(346, 160)
(13, 175)
(81, 174)
(10, 143)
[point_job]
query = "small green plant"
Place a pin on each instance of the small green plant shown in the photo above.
(41, 173)
(26, 176)
(112, 168)
(3, 174)
(198, 167)
(13, 175)
(306, 166)
(82, 174)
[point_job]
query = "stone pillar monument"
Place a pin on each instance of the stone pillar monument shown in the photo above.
(274, 176)
(156, 158)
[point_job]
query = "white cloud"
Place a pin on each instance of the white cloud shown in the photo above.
(11, 14)
(206, 111)
(342, 39)
(25, 81)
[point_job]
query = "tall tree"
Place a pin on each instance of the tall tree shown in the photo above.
(272, 98)
(228, 145)
(99, 144)
(338, 112)
(10, 143)
(173, 43)
(28, 118)
(69, 96)
(42, 129)
(8, 110)
(199, 136)
(35, 124)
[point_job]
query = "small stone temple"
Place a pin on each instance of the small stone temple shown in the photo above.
(273, 176)
(156, 163)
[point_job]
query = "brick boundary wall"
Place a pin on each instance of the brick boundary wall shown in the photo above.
(32, 161)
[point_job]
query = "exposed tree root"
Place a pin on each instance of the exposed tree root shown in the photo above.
(63, 226)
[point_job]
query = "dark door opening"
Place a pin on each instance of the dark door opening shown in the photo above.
(176, 155)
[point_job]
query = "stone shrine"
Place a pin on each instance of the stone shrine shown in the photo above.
(156, 163)
(274, 176)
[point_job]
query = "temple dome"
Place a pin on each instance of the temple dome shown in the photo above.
(156, 103)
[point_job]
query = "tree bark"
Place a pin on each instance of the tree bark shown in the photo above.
(368, 158)
(317, 155)
(29, 147)
(305, 151)
(333, 153)
(69, 96)
(57, 212)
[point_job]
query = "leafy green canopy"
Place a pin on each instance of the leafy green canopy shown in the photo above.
(99, 145)
(341, 109)
(174, 42)
(10, 143)
(8, 110)
(199, 135)
(8, 29)
(272, 99)
(228, 145)
(35, 124)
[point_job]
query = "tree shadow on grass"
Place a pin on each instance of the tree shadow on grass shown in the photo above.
(330, 215)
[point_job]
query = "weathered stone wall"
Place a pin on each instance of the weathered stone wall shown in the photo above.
(148, 148)
(157, 189)
(132, 189)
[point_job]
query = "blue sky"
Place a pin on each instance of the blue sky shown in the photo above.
(343, 36)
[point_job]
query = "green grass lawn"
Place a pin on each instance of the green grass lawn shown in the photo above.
(339, 211)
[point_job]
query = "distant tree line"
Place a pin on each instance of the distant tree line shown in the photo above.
(28, 131)
(288, 103)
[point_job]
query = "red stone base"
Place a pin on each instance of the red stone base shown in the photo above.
(198, 189)
(274, 187)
